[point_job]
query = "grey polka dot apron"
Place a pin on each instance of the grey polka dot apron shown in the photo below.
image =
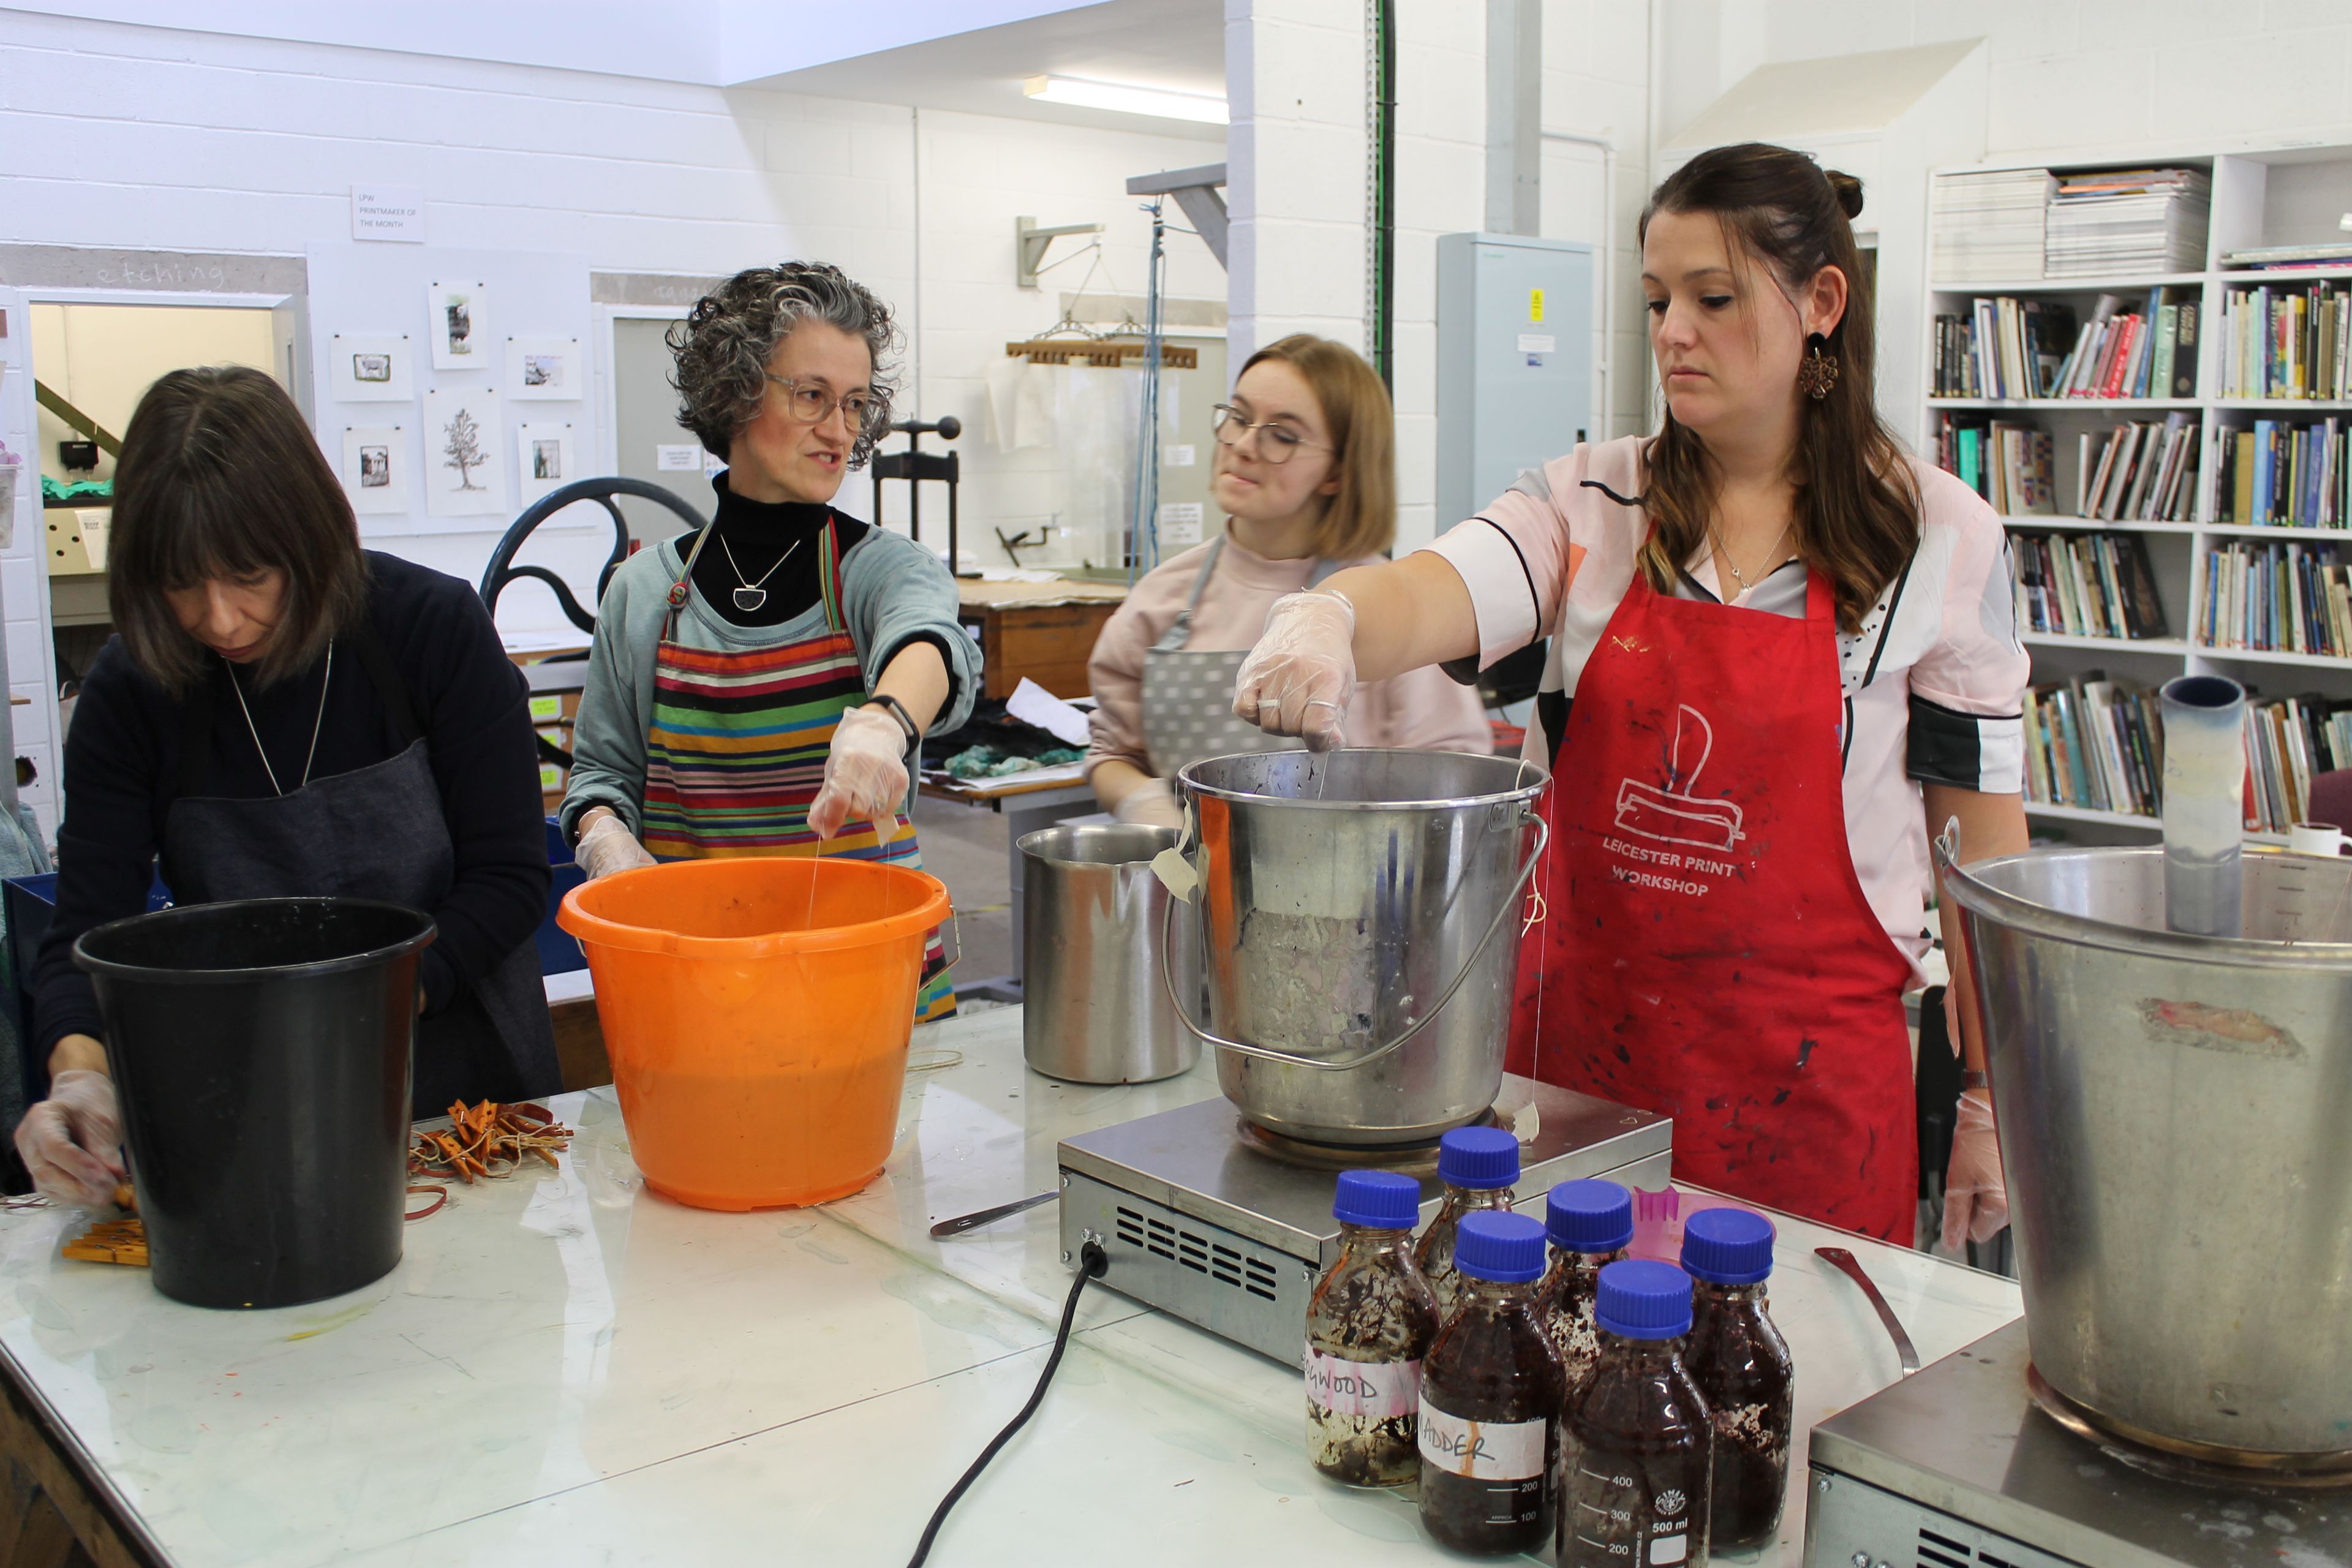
(1187, 697)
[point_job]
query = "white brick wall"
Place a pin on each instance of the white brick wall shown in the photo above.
(118, 135)
(1296, 77)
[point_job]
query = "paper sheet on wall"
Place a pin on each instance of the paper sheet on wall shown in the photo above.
(1032, 704)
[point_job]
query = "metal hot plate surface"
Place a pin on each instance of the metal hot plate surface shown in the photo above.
(1200, 1161)
(1966, 1438)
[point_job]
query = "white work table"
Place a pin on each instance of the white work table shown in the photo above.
(572, 1368)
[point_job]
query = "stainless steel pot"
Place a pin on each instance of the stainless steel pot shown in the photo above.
(1360, 933)
(2173, 1114)
(1094, 1009)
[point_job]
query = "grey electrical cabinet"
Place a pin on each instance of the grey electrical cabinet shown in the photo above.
(1514, 361)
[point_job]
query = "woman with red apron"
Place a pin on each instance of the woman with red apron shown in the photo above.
(1774, 637)
(766, 691)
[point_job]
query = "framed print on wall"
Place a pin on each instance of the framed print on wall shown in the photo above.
(458, 318)
(542, 369)
(543, 459)
(375, 469)
(463, 474)
(371, 369)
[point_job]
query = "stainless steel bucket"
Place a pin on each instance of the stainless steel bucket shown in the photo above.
(2174, 1112)
(1360, 933)
(1094, 1009)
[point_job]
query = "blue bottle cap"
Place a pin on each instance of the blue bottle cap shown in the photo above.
(1644, 1301)
(1495, 1244)
(1478, 1157)
(1728, 1247)
(1589, 1217)
(1381, 1199)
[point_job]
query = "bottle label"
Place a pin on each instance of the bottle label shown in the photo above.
(1482, 1450)
(1380, 1389)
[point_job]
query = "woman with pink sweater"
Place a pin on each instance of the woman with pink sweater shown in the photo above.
(1306, 470)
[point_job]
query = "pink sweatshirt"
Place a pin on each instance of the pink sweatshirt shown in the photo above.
(1422, 710)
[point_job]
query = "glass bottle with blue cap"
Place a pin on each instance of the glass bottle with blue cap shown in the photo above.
(1479, 1166)
(1590, 1224)
(1490, 1397)
(1743, 1369)
(1637, 1490)
(1370, 1324)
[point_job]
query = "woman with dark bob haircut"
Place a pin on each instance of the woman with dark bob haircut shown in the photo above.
(283, 713)
(761, 686)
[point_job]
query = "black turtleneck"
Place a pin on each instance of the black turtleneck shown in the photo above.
(758, 533)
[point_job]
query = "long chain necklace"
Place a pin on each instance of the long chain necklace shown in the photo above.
(749, 595)
(1737, 574)
(315, 724)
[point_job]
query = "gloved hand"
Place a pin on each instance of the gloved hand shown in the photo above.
(71, 1143)
(865, 773)
(606, 845)
(1150, 804)
(1300, 676)
(1976, 1197)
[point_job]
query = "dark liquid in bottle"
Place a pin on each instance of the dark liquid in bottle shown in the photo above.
(1490, 1392)
(1741, 1365)
(1633, 1492)
(1564, 1307)
(1433, 1253)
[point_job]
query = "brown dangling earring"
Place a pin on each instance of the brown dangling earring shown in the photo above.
(1818, 371)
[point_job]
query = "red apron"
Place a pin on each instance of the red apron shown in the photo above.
(1708, 953)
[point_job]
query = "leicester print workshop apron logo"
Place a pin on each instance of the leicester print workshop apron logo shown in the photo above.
(1696, 831)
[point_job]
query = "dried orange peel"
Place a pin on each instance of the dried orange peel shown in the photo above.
(488, 1141)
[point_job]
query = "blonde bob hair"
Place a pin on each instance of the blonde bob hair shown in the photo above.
(1360, 519)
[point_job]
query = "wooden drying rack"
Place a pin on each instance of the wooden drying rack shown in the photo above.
(1105, 353)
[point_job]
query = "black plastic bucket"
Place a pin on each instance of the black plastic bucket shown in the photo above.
(261, 1048)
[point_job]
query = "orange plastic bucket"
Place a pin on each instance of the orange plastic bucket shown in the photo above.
(757, 1025)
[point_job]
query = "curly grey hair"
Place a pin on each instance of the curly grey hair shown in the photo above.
(723, 347)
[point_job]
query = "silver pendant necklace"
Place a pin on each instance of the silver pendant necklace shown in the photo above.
(315, 724)
(749, 595)
(1737, 574)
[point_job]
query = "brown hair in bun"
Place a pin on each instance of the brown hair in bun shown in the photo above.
(1857, 506)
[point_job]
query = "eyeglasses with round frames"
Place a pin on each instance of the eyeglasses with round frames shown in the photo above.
(814, 405)
(1277, 444)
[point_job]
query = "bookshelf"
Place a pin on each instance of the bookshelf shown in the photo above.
(2258, 197)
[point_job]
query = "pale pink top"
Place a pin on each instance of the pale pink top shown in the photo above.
(1934, 681)
(1421, 711)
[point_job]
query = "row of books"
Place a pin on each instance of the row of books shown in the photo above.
(2127, 220)
(2086, 585)
(2288, 476)
(2005, 348)
(2095, 743)
(2287, 741)
(2287, 342)
(2007, 463)
(1991, 227)
(2285, 598)
(2142, 472)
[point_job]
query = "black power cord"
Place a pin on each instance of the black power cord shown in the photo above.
(1093, 1264)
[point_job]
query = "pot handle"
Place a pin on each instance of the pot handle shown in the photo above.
(1510, 902)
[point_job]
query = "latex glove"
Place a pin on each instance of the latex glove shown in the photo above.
(1150, 804)
(1299, 677)
(1976, 1197)
(608, 847)
(865, 773)
(71, 1143)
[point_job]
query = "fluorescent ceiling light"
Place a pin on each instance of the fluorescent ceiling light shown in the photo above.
(1155, 100)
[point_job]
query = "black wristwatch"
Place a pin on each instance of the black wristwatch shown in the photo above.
(1973, 1078)
(897, 710)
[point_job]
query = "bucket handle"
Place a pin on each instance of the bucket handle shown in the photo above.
(1268, 1053)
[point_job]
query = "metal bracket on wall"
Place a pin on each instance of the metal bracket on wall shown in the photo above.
(1030, 242)
(1196, 190)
